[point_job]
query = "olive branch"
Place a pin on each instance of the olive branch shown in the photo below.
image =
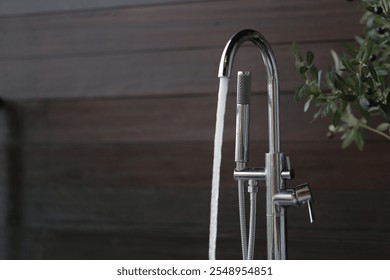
(357, 85)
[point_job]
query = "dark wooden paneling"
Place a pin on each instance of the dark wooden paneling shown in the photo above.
(173, 223)
(79, 158)
(119, 53)
(169, 119)
(193, 25)
(128, 175)
(137, 194)
(39, 7)
(156, 73)
(175, 119)
(176, 164)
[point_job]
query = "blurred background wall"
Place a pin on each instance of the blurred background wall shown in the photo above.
(107, 123)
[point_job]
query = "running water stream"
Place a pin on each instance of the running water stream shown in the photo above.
(221, 107)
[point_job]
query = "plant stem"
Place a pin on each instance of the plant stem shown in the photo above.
(362, 125)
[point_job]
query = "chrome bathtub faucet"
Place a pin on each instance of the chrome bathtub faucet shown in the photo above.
(277, 166)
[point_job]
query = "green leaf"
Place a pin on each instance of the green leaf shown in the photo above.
(341, 83)
(309, 58)
(336, 118)
(370, 83)
(304, 90)
(307, 105)
(373, 73)
(330, 78)
(364, 106)
(348, 138)
(371, 9)
(359, 140)
(383, 126)
(348, 64)
(297, 56)
(303, 70)
(336, 61)
(314, 89)
(364, 73)
(358, 85)
(314, 73)
(365, 51)
(382, 71)
(363, 102)
(381, 21)
(298, 92)
(359, 39)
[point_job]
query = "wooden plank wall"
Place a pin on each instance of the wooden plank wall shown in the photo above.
(107, 133)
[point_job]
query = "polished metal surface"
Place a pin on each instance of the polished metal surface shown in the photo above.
(253, 190)
(242, 152)
(277, 166)
(273, 165)
(242, 117)
(242, 133)
(298, 196)
(243, 87)
(274, 213)
(225, 68)
(304, 196)
(250, 173)
(242, 213)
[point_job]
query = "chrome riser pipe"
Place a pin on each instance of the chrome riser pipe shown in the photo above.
(276, 236)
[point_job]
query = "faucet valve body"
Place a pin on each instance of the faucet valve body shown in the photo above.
(298, 196)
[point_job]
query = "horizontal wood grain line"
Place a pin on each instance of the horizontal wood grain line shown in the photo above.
(153, 74)
(153, 215)
(143, 209)
(152, 120)
(93, 244)
(92, 165)
(47, 8)
(162, 51)
(193, 24)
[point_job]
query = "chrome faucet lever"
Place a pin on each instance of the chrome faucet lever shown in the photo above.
(311, 213)
(304, 196)
(298, 196)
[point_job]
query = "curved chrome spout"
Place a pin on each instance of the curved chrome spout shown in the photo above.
(225, 68)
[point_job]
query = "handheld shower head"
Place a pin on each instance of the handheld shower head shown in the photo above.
(243, 87)
(242, 119)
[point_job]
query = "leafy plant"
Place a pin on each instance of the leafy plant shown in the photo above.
(357, 85)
